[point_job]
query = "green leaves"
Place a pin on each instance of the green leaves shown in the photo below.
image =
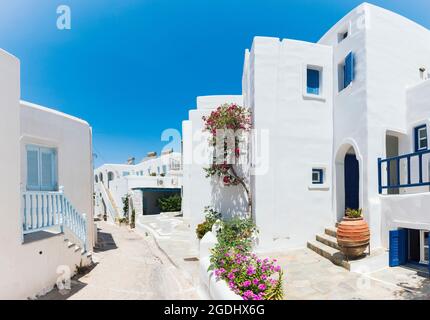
(211, 216)
(275, 292)
(170, 204)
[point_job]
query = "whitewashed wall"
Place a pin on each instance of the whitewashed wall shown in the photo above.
(300, 138)
(27, 269)
(72, 139)
(200, 191)
(10, 231)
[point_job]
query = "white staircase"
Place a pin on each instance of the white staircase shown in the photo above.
(111, 208)
(326, 245)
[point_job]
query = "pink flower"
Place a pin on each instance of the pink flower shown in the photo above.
(248, 294)
(262, 287)
(231, 276)
(255, 281)
(246, 283)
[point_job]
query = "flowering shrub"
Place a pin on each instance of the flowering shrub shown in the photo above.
(211, 216)
(247, 275)
(228, 116)
(226, 119)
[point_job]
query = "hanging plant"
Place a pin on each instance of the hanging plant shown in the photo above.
(227, 119)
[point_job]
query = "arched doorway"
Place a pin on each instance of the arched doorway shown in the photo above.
(347, 180)
(352, 180)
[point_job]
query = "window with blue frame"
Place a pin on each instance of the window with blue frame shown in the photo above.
(421, 138)
(347, 71)
(313, 81)
(317, 176)
(41, 168)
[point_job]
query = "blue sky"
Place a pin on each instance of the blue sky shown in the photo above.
(133, 68)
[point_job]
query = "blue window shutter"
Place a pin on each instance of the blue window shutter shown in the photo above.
(313, 81)
(48, 170)
(33, 168)
(398, 247)
(349, 74)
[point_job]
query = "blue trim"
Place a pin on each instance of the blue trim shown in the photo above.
(416, 138)
(379, 176)
(398, 247)
(321, 176)
(409, 183)
(313, 81)
(349, 69)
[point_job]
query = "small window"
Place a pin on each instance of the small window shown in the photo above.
(421, 138)
(96, 178)
(317, 176)
(342, 36)
(313, 81)
(346, 71)
(125, 173)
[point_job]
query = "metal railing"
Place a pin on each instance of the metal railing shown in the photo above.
(408, 180)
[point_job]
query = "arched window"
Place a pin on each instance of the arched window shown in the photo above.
(101, 177)
(96, 178)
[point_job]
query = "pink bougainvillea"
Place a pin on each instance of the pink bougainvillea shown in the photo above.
(228, 119)
(249, 276)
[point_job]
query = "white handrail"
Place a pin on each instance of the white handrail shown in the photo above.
(45, 209)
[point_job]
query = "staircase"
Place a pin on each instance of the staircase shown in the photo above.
(111, 208)
(326, 245)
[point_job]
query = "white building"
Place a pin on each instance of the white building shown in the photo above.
(144, 183)
(331, 109)
(46, 191)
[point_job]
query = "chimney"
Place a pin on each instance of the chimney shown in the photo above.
(131, 160)
(151, 154)
(167, 151)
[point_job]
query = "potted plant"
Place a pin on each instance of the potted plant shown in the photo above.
(353, 235)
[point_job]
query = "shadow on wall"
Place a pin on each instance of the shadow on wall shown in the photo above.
(231, 201)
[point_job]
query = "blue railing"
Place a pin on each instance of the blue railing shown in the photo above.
(408, 181)
(44, 210)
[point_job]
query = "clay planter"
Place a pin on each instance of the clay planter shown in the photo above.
(353, 237)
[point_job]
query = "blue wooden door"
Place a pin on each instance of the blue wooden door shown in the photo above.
(352, 182)
(398, 247)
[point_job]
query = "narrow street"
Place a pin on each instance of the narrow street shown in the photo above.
(128, 265)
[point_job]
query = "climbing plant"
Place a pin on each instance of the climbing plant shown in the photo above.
(228, 125)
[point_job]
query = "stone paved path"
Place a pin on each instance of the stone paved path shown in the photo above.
(310, 276)
(129, 265)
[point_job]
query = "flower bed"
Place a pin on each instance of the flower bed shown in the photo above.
(245, 273)
(249, 276)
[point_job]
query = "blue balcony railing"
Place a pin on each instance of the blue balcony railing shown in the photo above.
(411, 178)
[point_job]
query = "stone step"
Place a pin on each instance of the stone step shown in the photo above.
(328, 240)
(331, 231)
(332, 254)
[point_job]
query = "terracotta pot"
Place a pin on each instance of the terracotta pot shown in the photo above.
(353, 236)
